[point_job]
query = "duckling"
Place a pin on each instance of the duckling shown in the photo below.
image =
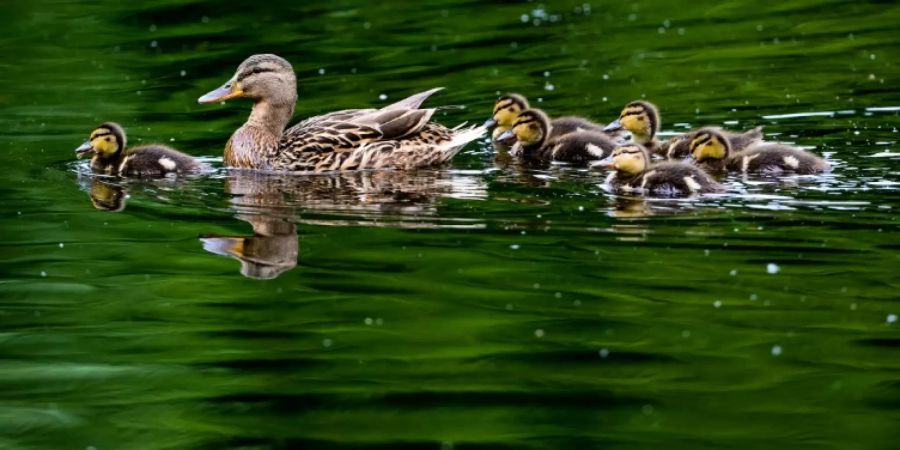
(712, 151)
(398, 136)
(641, 118)
(535, 141)
(679, 147)
(508, 107)
(633, 173)
(109, 155)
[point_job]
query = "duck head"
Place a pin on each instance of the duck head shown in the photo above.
(709, 146)
(506, 109)
(262, 78)
(640, 118)
(631, 159)
(105, 142)
(531, 129)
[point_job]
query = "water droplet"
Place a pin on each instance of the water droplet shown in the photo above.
(891, 318)
(776, 350)
(647, 410)
(509, 306)
(549, 87)
(514, 246)
(152, 28)
(382, 97)
(61, 245)
(772, 268)
(326, 342)
(183, 72)
(558, 295)
(539, 333)
(524, 18)
(686, 333)
(321, 71)
(604, 353)
(44, 274)
(733, 272)
(153, 44)
(368, 321)
(717, 304)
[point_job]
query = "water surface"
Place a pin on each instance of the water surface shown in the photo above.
(480, 306)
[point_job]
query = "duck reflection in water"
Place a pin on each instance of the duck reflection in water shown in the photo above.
(107, 196)
(275, 204)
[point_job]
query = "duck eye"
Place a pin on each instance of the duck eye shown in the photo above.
(108, 139)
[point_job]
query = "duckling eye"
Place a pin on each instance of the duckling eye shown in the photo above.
(108, 139)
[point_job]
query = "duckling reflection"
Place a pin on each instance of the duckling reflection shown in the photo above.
(274, 205)
(107, 196)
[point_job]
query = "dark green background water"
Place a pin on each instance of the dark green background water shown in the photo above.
(478, 307)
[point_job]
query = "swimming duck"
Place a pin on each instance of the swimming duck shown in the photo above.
(508, 107)
(398, 136)
(712, 151)
(533, 135)
(641, 118)
(634, 173)
(679, 147)
(106, 147)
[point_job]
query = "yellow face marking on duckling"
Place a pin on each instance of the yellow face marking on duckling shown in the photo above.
(506, 111)
(104, 142)
(629, 159)
(708, 146)
(528, 131)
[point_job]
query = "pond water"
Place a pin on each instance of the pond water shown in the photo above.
(481, 306)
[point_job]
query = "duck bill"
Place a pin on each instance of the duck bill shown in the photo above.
(490, 123)
(606, 163)
(507, 138)
(615, 125)
(84, 150)
(228, 91)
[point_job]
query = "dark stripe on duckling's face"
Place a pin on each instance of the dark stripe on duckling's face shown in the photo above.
(630, 159)
(709, 145)
(531, 128)
(507, 109)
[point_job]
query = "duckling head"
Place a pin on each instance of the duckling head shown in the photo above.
(262, 78)
(531, 129)
(631, 159)
(106, 141)
(640, 118)
(709, 145)
(506, 109)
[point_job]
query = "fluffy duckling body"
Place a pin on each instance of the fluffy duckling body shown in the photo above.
(535, 141)
(712, 151)
(398, 136)
(109, 155)
(508, 107)
(642, 120)
(633, 173)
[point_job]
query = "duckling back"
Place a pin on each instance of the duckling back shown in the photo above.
(581, 147)
(154, 160)
(677, 179)
(776, 158)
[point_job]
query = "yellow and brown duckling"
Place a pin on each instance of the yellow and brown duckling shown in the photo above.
(633, 173)
(642, 120)
(711, 150)
(508, 107)
(109, 155)
(398, 136)
(679, 147)
(534, 141)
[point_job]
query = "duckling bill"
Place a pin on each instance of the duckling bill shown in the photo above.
(106, 147)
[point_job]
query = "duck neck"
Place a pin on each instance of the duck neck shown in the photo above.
(272, 116)
(107, 164)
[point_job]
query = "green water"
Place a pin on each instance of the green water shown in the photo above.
(482, 306)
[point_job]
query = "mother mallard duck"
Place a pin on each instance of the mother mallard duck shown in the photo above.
(398, 136)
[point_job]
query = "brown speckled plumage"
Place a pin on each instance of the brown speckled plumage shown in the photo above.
(398, 136)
